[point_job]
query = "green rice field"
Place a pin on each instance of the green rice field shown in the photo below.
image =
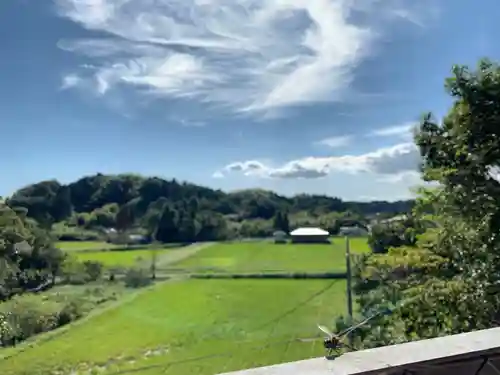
(230, 324)
(199, 327)
(252, 257)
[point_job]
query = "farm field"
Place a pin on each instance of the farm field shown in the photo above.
(257, 257)
(121, 258)
(234, 324)
(84, 245)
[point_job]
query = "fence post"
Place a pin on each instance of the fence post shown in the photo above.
(349, 286)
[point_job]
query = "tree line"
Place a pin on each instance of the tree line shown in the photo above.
(173, 211)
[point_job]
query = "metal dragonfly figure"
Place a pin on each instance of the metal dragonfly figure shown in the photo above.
(334, 342)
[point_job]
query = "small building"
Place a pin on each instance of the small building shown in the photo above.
(138, 239)
(115, 237)
(310, 235)
(394, 219)
(353, 231)
(280, 236)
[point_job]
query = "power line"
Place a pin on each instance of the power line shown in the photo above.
(208, 356)
(273, 322)
(298, 306)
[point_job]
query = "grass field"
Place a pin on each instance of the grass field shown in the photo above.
(84, 245)
(180, 321)
(123, 258)
(264, 257)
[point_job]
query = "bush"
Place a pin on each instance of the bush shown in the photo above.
(93, 270)
(137, 278)
(78, 273)
(64, 232)
(69, 313)
(26, 317)
(114, 271)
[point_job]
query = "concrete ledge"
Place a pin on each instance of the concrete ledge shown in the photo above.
(454, 354)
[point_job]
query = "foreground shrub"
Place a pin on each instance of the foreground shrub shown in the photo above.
(28, 315)
(76, 272)
(137, 278)
(93, 270)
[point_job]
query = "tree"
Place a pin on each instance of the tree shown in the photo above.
(213, 227)
(124, 218)
(188, 227)
(450, 278)
(395, 233)
(24, 249)
(105, 216)
(62, 207)
(167, 230)
(54, 259)
(281, 222)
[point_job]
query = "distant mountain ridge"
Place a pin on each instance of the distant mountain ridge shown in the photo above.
(128, 199)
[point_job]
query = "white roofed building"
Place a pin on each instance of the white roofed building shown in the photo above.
(310, 235)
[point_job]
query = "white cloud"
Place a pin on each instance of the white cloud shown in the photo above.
(336, 142)
(218, 174)
(192, 123)
(248, 55)
(70, 80)
(390, 163)
(404, 131)
(187, 123)
(247, 168)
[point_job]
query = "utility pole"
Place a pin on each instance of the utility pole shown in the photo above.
(349, 286)
(153, 263)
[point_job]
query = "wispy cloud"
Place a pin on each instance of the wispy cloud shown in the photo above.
(335, 142)
(402, 131)
(70, 80)
(188, 123)
(244, 55)
(391, 163)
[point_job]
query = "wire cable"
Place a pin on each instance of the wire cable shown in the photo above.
(298, 306)
(196, 359)
(278, 319)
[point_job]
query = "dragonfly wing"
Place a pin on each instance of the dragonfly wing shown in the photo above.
(326, 330)
(386, 311)
(310, 339)
(356, 326)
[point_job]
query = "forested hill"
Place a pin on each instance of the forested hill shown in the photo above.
(96, 201)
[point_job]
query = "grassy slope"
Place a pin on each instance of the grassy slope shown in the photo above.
(267, 256)
(84, 245)
(189, 319)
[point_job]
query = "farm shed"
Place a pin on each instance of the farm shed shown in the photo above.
(280, 236)
(353, 231)
(310, 235)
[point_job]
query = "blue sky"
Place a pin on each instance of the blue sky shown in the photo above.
(313, 96)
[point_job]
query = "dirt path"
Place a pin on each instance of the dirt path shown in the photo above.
(172, 256)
